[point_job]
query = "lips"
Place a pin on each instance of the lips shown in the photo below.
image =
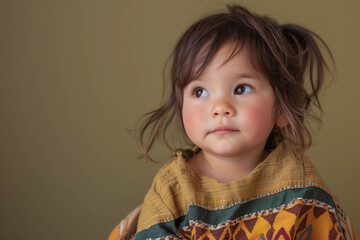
(224, 130)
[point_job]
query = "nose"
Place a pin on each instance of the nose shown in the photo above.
(222, 108)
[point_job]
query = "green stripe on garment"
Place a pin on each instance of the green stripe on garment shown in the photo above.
(239, 209)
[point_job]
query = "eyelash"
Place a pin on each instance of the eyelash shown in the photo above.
(195, 88)
(245, 85)
(198, 87)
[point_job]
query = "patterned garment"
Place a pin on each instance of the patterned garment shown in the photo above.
(282, 198)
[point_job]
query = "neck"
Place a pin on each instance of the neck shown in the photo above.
(226, 169)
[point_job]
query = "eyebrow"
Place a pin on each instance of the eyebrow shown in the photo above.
(239, 75)
(247, 75)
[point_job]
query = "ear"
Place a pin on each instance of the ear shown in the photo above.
(282, 121)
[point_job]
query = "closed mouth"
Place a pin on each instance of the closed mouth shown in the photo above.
(222, 130)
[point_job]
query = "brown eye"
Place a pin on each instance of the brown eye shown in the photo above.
(239, 90)
(200, 93)
(243, 89)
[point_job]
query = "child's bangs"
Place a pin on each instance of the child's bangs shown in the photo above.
(238, 40)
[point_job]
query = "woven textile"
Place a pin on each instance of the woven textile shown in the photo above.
(282, 198)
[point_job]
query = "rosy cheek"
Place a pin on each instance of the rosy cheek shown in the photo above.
(254, 115)
(260, 118)
(192, 122)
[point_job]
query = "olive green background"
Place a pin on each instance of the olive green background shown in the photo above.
(76, 75)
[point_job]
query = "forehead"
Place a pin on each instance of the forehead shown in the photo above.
(231, 59)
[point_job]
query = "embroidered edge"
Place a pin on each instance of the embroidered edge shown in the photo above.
(169, 219)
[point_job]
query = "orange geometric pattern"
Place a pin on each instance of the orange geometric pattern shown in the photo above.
(301, 220)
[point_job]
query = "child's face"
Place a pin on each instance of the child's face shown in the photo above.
(229, 111)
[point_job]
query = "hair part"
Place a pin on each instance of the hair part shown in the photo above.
(286, 55)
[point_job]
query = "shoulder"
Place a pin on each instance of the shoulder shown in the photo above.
(294, 168)
(163, 202)
(175, 171)
(168, 176)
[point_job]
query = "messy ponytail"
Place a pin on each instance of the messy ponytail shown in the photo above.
(303, 77)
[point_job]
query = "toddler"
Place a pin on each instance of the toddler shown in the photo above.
(242, 89)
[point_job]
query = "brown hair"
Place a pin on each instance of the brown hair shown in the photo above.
(286, 54)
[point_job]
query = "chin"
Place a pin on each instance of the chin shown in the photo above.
(227, 151)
